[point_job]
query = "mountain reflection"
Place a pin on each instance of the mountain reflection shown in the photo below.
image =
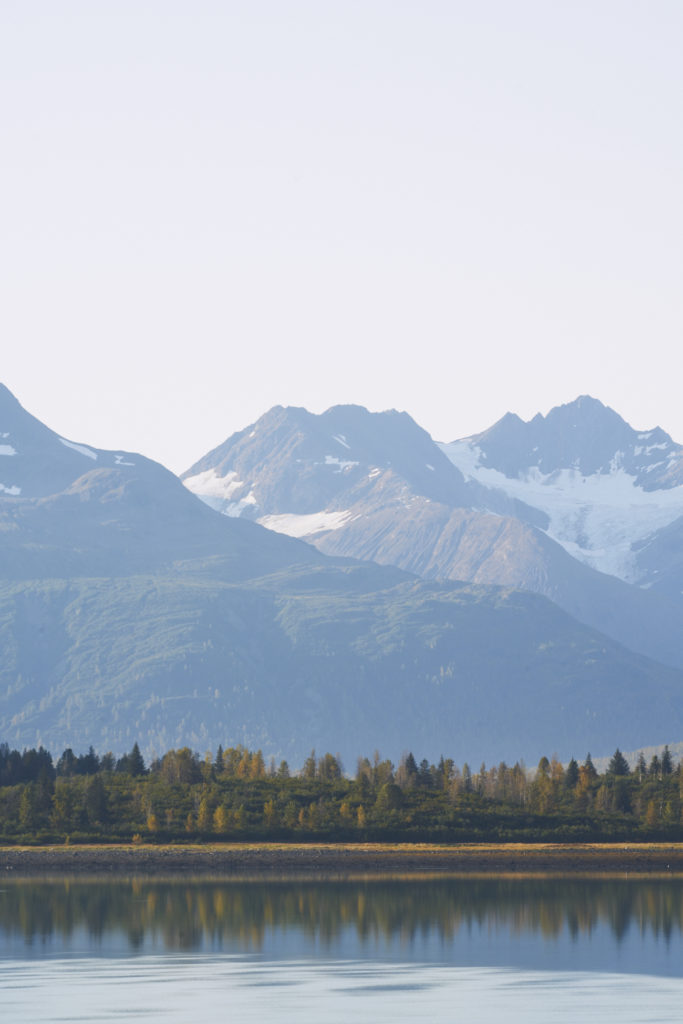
(189, 915)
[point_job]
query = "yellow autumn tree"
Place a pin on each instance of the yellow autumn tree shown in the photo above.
(204, 816)
(220, 820)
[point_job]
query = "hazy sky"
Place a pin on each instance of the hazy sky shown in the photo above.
(452, 208)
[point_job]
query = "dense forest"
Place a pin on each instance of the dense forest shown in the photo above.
(234, 795)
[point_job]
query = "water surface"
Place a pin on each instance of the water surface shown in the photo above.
(467, 949)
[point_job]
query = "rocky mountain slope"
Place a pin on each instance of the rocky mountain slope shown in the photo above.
(375, 486)
(131, 611)
(605, 489)
(69, 509)
(319, 657)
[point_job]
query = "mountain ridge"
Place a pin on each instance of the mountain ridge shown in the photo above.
(605, 494)
(405, 508)
(138, 613)
(583, 435)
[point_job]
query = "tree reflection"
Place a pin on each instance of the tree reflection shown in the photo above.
(189, 915)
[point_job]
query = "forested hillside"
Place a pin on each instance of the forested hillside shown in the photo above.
(233, 795)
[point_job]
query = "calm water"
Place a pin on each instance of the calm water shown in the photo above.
(467, 950)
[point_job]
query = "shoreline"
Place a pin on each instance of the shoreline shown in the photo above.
(342, 860)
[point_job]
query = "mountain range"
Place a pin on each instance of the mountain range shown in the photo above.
(576, 506)
(130, 610)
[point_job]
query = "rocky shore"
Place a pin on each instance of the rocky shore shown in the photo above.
(340, 860)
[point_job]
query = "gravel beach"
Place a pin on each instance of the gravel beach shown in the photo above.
(340, 860)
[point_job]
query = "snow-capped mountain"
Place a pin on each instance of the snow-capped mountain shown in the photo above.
(558, 506)
(307, 475)
(604, 488)
(36, 462)
(70, 509)
(130, 610)
(311, 469)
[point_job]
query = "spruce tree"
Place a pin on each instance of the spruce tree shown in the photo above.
(618, 764)
(571, 776)
(136, 763)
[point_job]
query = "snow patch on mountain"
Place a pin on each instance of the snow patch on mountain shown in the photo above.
(83, 449)
(341, 439)
(596, 518)
(14, 492)
(305, 525)
(234, 509)
(210, 484)
(342, 464)
(216, 491)
(7, 449)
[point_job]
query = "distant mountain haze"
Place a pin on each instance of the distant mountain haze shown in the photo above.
(576, 506)
(604, 487)
(129, 610)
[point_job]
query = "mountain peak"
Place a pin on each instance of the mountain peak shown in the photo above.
(585, 408)
(297, 463)
(583, 436)
(7, 399)
(587, 401)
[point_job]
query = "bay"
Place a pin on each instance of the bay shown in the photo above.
(454, 949)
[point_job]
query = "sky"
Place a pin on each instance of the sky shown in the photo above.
(454, 209)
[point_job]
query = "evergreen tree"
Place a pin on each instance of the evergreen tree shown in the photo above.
(571, 776)
(88, 764)
(618, 764)
(269, 814)
(67, 763)
(446, 770)
(406, 772)
(136, 763)
(310, 765)
(96, 801)
(424, 774)
(36, 764)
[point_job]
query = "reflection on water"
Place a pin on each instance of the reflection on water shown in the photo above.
(428, 918)
(460, 950)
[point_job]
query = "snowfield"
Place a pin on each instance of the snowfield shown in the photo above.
(305, 525)
(83, 449)
(597, 519)
(216, 492)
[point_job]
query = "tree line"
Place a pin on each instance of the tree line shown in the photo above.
(234, 794)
